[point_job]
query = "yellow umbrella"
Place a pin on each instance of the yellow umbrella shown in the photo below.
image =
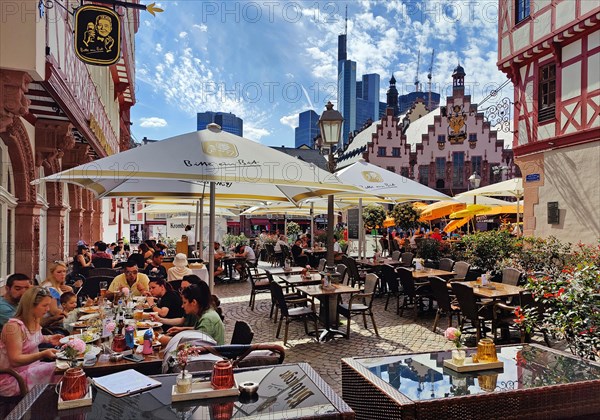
(455, 224)
(508, 209)
(471, 210)
(389, 222)
(419, 205)
(440, 209)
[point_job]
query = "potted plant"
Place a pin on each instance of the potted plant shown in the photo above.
(292, 230)
(373, 217)
(406, 216)
(430, 251)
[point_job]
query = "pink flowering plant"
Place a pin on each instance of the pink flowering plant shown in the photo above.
(454, 335)
(73, 348)
(125, 291)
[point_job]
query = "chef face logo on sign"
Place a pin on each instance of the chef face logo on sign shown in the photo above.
(97, 35)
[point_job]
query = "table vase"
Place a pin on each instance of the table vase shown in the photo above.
(458, 357)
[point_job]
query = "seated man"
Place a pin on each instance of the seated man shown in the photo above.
(300, 258)
(101, 258)
(244, 251)
(132, 279)
(155, 268)
(16, 285)
(218, 255)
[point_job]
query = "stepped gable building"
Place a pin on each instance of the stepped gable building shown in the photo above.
(56, 113)
(439, 148)
(551, 53)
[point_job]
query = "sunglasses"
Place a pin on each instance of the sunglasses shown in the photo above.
(43, 292)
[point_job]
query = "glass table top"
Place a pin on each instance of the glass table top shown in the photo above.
(424, 377)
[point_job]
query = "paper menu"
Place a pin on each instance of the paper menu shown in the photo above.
(125, 383)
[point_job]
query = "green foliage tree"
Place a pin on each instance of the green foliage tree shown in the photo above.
(486, 249)
(406, 216)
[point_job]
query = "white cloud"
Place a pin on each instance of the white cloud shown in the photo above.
(182, 34)
(158, 48)
(169, 58)
(255, 133)
(290, 120)
(152, 122)
(202, 27)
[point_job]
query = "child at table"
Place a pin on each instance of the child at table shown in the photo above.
(68, 301)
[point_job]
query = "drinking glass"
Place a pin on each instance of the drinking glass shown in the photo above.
(103, 287)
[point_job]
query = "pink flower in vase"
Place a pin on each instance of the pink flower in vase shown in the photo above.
(454, 335)
(110, 327)
(125, 291)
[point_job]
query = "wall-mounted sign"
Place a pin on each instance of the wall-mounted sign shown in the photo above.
(532, 177)
(97, 35)
(553, 213)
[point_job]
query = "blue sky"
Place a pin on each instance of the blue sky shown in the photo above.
(266, 61)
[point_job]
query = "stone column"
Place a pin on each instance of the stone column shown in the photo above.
(75, 218)
(27, 238)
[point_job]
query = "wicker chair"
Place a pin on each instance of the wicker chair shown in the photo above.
(446, 264)
(511, 276)
(444, 302)
(91, 286)
(95, 272)
(302, 313)
(476, 312)
(411, 291)
(7, 404)
(407, 259)
(242, 333)
(364, 308)
(396, 255)
(461, 268)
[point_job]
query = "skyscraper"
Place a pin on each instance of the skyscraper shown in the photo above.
(228, 121)
(367, 99)
(346, 89)
(308, 128)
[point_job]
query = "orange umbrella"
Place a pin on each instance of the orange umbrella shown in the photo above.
(389, 222)
(455, 224)
(440, 209)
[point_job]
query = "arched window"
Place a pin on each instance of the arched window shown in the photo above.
(8, 202)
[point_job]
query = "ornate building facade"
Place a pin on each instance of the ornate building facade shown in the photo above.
(441, 148)
(55, 113)
(551, 52)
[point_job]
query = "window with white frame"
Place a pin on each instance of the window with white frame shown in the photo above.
(8, 202)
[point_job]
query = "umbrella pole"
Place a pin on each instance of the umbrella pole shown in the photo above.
(312, 225)
(361, 230)
(200, 226)
(211, 239)
(518, 227)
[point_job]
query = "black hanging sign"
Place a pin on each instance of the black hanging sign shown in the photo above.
(97, 35)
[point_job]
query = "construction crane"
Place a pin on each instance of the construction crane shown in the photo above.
(429, 75)
(417, 76)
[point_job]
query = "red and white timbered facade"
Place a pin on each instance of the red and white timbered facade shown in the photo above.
(550, 49)
(55, 113)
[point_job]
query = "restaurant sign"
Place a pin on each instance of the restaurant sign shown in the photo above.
(97, 35)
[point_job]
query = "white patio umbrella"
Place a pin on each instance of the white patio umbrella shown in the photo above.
(509, 188)
(183, 208)
(210, 155)
(383, 183)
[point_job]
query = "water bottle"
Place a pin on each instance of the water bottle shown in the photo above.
(148, 337)
(130, 336)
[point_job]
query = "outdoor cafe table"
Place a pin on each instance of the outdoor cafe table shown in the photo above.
(431, 272)
(500, 291)
(277, 271)
(535, 383)
(328, 307)
(151, 365)
(299, 280)
(285, 391)
(379, 262)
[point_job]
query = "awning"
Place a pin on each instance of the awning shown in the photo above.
(260, 221)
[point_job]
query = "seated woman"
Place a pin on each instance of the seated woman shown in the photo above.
(56, 285)
(19, 343)
(197, 300)
(300, 258)
(165, 301)
(82, 262)
(179, 269)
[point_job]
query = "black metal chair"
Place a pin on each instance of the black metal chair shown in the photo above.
(445, 304)
(390, 277)
(365, 307)
(242, 333)
(102, 262)
(472, 310)
(301, 313)
(260, 284)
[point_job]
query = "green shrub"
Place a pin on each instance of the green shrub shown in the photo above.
(486, 249)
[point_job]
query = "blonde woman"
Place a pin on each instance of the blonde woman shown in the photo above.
(55, 283)
(19, 343)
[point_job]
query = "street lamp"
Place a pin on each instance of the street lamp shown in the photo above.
(330, 125)
(474, 181)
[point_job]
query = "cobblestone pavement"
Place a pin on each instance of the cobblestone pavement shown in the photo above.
(397, 334)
